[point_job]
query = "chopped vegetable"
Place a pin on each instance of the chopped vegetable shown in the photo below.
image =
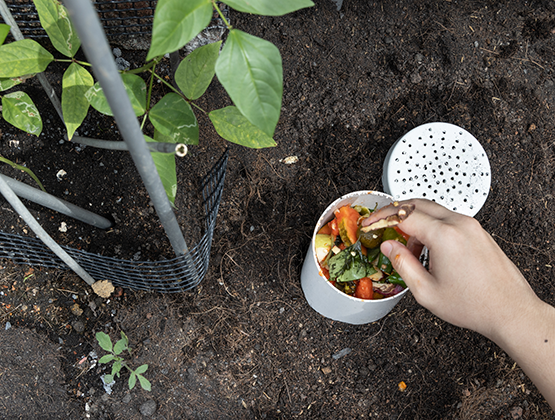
(350, 256)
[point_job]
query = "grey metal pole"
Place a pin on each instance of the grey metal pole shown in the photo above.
(57, 204)
(18, 206)
(96, 48)
(179, 149)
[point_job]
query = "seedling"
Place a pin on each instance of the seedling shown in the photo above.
(115, 351)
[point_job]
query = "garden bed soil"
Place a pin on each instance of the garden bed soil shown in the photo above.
(245, 344)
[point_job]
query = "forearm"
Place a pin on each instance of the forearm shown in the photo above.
(529, 338)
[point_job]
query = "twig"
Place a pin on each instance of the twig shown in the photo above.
(532, 170)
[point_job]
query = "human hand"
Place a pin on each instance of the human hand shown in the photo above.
(471, 282)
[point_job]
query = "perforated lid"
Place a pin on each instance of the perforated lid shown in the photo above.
(441, 162)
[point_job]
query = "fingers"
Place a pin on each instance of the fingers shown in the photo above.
(409, 268)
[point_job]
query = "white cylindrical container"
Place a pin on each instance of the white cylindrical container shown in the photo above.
(321, 295)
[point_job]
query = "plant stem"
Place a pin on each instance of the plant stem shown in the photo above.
(149, 96)
(214, 3)
(178, 92)
(146, 67)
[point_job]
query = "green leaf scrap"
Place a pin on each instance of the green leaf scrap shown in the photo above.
(174, 117)
(135, 88)
(141, 369)
(55, 21)
(19, 110)
(234, 127)
(250, 70)
(196, 71)
(75, 84)
(23, 57)
(176, 22)
(4, 31)
(106, 358)
(165, 165)
(269, 8)
(120, 346)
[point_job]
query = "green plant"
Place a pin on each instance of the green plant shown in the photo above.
(121, 345)
(248, 67)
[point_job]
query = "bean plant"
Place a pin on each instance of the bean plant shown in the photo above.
(249, 68)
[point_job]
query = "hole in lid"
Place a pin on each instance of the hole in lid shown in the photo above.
(456, 140)
(441, 173)
(396, 159)
(451, 199)
(417, 184)
(417, 164)
(435, 191)
(407, 162)
(430, 187)
(433, 171)
(438, 166)
(457, 157)
(396, 180)
(473, 174)
(431, 136)
(435, 151)
(403, 152)
(404, 140)
(410, 157)
(448, 190)
(453, 147)
(460, 192)
(443, 138)
(416, 177)
(423, 194)
(433, 176)
(424, 144)
(487, 174)
(437, 182)
(466, 162)
(425, 180)
(463, 150)
(410, 145)
(456, 173)
(471, 207)
(444, 181)
(419, 138)
(444, 154)
(423, 156)
(469, 144)
(475, 190)
(417, 152)
(410, 190)
(454, 209)
(410, 179)
(481, 174)
(398, 171)
(442, 147)
(404, 192)
(434, 200)
(484, 194)
(460, 133)
(441, 197)
(444, 132)
(464, 173)
(430, 129)
(454, 187)
(468, 185)
(460, 182)
(465, 200)
(482, 156)
(475, 157)
(452, 178)
(410, 170)
(404, 179)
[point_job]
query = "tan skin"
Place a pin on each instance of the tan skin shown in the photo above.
(506, 309)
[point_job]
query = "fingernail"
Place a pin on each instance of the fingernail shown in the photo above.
(386, 248)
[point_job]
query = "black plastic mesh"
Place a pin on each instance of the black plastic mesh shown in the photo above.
(167, 276)
(119, 17)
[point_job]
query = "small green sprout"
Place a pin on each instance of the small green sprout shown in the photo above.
(115, 350)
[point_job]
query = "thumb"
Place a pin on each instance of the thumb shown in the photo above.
(408, 266)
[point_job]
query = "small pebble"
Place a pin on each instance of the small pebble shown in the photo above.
(342, 353)
(148, 408)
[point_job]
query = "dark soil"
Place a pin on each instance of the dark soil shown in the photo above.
(245, 344)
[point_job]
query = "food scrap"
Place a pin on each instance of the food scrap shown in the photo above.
(349, 254)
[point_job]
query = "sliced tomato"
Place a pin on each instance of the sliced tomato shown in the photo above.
(325, 230)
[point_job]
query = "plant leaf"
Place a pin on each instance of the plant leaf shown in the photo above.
(141, 369)
(4, 31)
(173, 117)
(176, 22)
(116, 367)
(124, 337)
(234, 127)
(120, 346)
(250, 70)
(8, 83)
(55, 21)
(145, 384)
(165, 165)
(75, 84)
(104, 341)
(196, 71)
(24, 169)
(19, 110)
(23, 57)
(135, 88)
(132, 380)
(107, 358)
(268, 8)
(108, 379)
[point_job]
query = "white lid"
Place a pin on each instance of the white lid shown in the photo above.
(441, 162)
